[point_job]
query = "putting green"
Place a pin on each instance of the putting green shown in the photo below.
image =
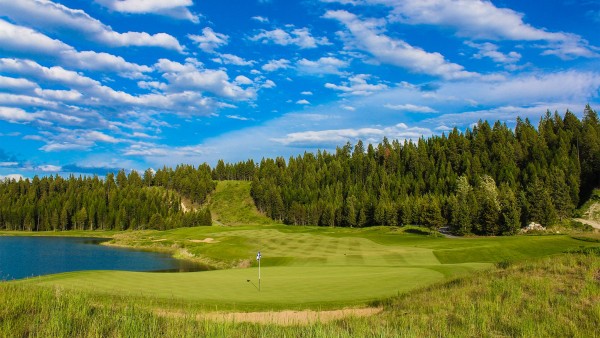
(280, 285)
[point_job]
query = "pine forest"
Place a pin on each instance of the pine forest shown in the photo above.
(488, 180)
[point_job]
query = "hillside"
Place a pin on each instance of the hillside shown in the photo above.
(589, 213)
(231, 204)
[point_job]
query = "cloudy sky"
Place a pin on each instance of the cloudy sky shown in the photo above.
(91, 86)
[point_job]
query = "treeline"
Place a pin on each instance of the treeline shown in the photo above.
(240, 171)
(488, 180)
(124, 201)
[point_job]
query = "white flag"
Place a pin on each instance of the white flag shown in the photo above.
(258, 256)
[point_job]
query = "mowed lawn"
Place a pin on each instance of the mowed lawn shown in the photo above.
(308, 267)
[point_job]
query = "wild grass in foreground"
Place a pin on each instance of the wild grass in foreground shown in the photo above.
(556, 296)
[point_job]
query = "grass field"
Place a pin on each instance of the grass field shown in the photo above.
(557, 296)
(305, 267)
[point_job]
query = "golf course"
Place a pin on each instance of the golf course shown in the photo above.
(308, 267)
(319, 281)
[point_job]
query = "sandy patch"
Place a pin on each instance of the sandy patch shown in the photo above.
(289, 317)
(243, 264)
(589, 222)
(184, 208)
(206, 240)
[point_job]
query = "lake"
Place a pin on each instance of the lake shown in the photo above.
(22, 257)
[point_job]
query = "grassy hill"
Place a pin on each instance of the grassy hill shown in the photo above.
(231, 204)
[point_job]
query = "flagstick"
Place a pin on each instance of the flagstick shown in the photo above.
(258, 257)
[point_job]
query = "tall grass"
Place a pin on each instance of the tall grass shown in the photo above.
(556, 296)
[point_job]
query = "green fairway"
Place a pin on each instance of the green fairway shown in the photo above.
(305, 267)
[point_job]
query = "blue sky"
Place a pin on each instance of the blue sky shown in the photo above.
(91, 86)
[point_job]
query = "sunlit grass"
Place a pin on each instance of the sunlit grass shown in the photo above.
(311, 268)
(231, 204)
(557, 296)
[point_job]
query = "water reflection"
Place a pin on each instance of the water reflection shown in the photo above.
(22, 257)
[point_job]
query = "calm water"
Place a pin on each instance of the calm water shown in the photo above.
(22, 257)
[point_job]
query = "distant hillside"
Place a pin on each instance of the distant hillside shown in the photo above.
(231, 204)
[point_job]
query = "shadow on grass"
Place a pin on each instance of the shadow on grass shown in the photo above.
(418, 231)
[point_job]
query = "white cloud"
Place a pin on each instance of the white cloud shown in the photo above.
(303, 101)
(209, 40)
(502, 113)
(261, 19)
(54, 74)
(16, 177)
(16, 115)
(161, 152)
(102, 137)
(18, 84)
(443, 128)
(324, 65)
(300, 37)
(90, 60)
(237, 117)
(274, 65)
(527, 89)
(490, 50)
(189, 76)
(94, 94)
(340, 136)
(50, 15)
(367, 36)
(308, 93)
(8, 164)
(54, 147)
(25, 101)
(357, 85)
(152, 85)
(482, 20)
(75, 139)
(410, 108)
(49, 168)
(174, 8)
(59, 95)
(138, 134)
(242, 80)
(269, 84)
(345, 2)
(25, 40)
(22, 39)
(230, 59)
